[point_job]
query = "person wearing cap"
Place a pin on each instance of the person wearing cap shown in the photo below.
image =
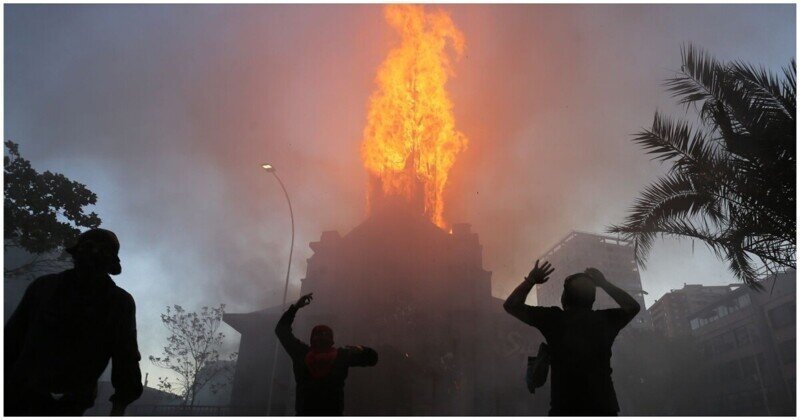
(579, 339)
(319, 369)
(64, 332)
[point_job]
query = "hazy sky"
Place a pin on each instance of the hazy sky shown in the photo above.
(166, 111)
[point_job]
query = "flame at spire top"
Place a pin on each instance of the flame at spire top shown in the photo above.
(410, 140)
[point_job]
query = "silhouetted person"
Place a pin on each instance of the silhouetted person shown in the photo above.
(579, 339)
(319, 369)
(65, 330)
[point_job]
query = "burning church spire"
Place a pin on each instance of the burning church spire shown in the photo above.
(417, 293)
(410, 140)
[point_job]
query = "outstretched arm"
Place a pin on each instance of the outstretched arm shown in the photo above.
(283, 329)
(515, 303)
(361, 356)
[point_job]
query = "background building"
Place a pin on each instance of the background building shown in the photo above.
(612, 256)
(669, 313)
(419, 296)
(747, 339)
(422, 299)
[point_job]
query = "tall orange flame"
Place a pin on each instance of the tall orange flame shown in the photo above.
(410, 141)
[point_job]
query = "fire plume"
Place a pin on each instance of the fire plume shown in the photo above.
(410, 140)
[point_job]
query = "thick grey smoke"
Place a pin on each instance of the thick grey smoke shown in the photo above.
(167, 111)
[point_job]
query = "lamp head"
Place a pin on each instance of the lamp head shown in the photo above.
(267, 167)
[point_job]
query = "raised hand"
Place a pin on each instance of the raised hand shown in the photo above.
(540, 275)
(304, 300)
(595, 275)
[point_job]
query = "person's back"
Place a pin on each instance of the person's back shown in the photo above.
(61, 337)
(579, 340)
(324, 394)
(580, 343)
(319, 369)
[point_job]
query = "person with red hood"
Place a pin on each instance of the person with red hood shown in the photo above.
(319, 369)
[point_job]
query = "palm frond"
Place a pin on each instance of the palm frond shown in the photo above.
(700, 78)
(789, 86)
(725, 245)
(731, 182)
(672, 197)
(669, 140)
(766, 88)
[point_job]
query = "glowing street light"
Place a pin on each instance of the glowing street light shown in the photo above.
(271, 169)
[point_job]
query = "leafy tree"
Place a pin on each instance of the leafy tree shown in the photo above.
(193, 352)
(43, 213)
(731, 184)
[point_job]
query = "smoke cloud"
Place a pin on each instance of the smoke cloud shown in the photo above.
(166, 112)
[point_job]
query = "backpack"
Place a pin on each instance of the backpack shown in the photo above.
(538, 368)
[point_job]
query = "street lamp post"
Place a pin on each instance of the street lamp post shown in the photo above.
(269, 168)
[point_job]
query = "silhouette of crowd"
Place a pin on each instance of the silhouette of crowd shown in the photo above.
(69, 325)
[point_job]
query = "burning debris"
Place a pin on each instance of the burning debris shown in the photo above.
(410, 141)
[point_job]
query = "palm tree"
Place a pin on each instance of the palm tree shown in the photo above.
(731, 184)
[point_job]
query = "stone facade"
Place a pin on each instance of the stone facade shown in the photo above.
(418, 295)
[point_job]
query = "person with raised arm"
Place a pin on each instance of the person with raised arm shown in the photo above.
(579, 339)
(320, 369)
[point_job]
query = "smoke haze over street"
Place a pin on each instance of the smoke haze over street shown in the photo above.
(166, 112)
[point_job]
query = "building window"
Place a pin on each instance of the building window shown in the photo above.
(730, 371)
(744, 300)
(705, 350)
(720, 344)
(727, 342)
(749, 371)
(721, 311)
(742, 336)
(733, 307)
(783, 315)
